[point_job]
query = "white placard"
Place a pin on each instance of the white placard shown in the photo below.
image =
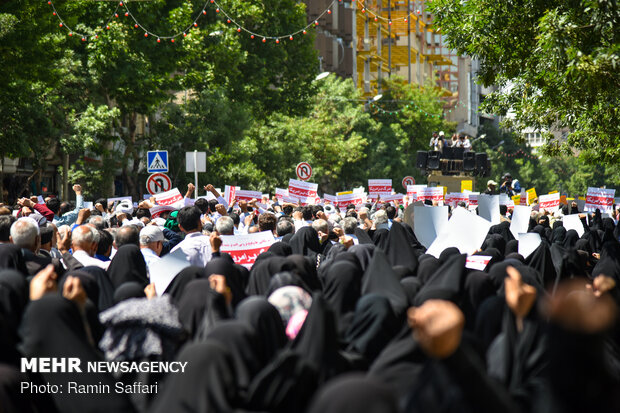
(428, 222)
(488, 208)
(167, 269)
(245, 248)
(573, 222)
(528, 242)
(465, 231)
(520, 220)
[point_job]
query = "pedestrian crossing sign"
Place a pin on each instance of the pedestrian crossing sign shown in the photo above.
(157, 161)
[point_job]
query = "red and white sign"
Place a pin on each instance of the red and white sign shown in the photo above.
(356, 199)
(169, 197)
(157, 183)
(158, 209)
(412, 191)
(280, 193)
(229, 193)
(245, 195)
(456, 197)
(245, 248)
(432, 194)
(332, 199)
(303, 171)
(380, 186)
(302, 189)
(550, 202)
(391, 198)
(523, 198)
(477, 262)
(599, 198)
(408, 180)
(473, 200)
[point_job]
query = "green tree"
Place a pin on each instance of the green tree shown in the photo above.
(556, 64)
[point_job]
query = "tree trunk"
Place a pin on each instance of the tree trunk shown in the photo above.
(1, 177)
(65, 177)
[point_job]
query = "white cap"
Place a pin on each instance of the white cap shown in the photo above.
(441, 133)
(151, 233)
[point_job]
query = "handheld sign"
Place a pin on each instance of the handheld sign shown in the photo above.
(157, 161)
(158, 183)
(599, 198)
(303, 171)
(302, 189)
(245, 248)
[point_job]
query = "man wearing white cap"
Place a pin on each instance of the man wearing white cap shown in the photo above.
(151, 244)
(491, 185)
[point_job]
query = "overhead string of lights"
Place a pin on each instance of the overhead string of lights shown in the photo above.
(516, 154)
(377, 16)
(183, 33)
(379, 109)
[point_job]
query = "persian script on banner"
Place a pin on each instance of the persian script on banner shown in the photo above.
(599, 198)
(380, 186)
(169, 197)
(550, 202)
(302, 189)
(245, 248)
(433, 194)
(245, 195)
(229, 193)
(281, 193)
(348, 199)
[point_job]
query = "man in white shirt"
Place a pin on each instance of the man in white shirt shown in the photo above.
(151, 244)
(196, 246)
(84, 242)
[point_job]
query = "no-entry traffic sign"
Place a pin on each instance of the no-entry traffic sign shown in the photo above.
(303, 171)
(408, 180)
(158, 183)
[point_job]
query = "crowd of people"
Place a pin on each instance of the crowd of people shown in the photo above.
(438, 142)
(345, 312)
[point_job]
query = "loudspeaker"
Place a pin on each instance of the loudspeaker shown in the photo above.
(481, 163)
(458, 153)
(469, 161)
(434, 160)
(421, 160)
(448, 152)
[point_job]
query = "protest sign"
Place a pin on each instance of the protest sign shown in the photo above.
(599, 198)
(301, 189)
(550, 202)
(412, 191)
(488, 208)
(457, 197)
(573, 222)
(345, 200)
(245, 248)
(531, 195)
(392, 198)
(280, 192)
(520, 220)
(528, 242)
(247, 195)
(428, 222)
(432, 194)
(332, 199)
(119, 199)
(229, 193)
(158, 209)
(477, 262)
(465, 231)
(169, 197)
(523, 199)
(380, 186)
(167, 269)
(472, 200)
(516, 199)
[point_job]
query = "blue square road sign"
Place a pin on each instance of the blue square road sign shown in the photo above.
(157, 161)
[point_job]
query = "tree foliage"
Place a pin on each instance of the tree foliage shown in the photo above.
(556, 63)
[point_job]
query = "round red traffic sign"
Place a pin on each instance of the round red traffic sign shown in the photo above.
(408, 180)
(303, 171)
(157, 183)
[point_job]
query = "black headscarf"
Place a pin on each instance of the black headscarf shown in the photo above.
(478, 287)
(281, 248)
(305, 267)
(558, 235)
(380, 238)
(106, 289)
(353, 394)
(342, 289)
(13, 300)
(11, 257)
(176, 288)
(412, 286)
(128, 290)
(266, 321)
(447, 282)
(226, 266)
(541, 261)
(53, 327)
(128, 265)
(286, 278)
(447, 253)
(200, 307)
(88, 281)
(362, 236)
(570, 238)
(398, 248)
(609, 263)
(364, 253)
(373, 326)
(427, 268)
(241, 341)
(317, 341)
(511, 247)
(208, 383)
(305, 242)
(380, 278)
(261, 273)
(494, 241)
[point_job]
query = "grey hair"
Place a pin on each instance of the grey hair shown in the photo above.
(225, 225)
(349, 225)
(97, 221)
(320, 225)
(24, 233)
(85, 237)
(381, 217)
